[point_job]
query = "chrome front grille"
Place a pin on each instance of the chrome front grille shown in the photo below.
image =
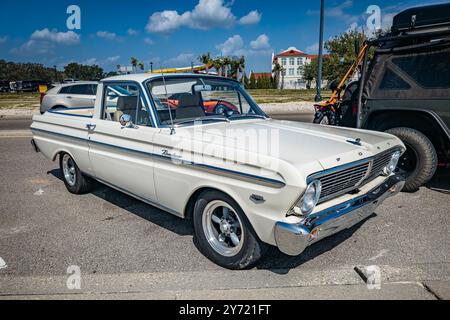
(341, 180)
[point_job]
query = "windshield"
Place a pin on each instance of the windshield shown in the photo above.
(206, 99)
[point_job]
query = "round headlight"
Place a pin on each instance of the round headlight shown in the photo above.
(311, 197)
(392, 163)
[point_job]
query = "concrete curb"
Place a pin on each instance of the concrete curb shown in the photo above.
(15, 133)
(250, 284)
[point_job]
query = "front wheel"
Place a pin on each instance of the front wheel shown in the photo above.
(419, 162)
(223, 232)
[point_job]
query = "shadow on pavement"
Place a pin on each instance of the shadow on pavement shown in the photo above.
(150, 213)
(273, 260)
(277, 262)
(441, 181)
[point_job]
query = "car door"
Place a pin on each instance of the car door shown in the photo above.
(81, 95)
(122, 156)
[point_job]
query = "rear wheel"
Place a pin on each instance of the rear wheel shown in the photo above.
(419, 162)
(74, 180)
(223, 232)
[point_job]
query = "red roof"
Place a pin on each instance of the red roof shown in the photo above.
(261, 75)
(313, 56)
(291, 53)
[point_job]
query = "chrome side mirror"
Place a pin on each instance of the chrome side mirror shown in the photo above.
(125, 121)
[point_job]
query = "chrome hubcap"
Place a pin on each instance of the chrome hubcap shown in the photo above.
(69, 170)
(223, 228)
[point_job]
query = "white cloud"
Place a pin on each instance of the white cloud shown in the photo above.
(262, 42)
(338, 11)
(106, 35)
(182, 60)
(206, 15)
(90, 62)
(312, 49)
(66, 38)
(103, 62)
(149, 41)
(3, 39)
(253, 17)
(233, 46)
(132, 32)
(112, 59)
(211, 13)
(34, 47)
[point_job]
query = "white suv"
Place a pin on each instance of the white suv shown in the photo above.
(78, 94)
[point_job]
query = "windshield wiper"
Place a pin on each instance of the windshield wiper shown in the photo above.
(242, 116)
(202, 119)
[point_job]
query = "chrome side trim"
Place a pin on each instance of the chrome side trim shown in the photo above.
(215, 170)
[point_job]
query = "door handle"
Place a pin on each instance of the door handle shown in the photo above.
(91, 127)
(69, 97)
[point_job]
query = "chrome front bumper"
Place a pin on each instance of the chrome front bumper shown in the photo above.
(293, 239)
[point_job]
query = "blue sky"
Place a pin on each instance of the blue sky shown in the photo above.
(172, 33)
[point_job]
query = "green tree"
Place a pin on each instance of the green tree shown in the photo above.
(83, 72)
(134, 63)
(341, 54)
(278, 69)
(206, 60)
(141, 66)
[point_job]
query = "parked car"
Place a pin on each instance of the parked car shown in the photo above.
(406, 91)
(4, 86)
(312, 183)
(77, 94)
(26, 85)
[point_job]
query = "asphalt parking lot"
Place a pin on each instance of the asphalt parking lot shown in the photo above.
(123, 246)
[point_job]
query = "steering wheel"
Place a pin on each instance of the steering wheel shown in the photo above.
(224, 110)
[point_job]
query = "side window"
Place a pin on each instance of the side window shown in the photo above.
(65, 90)
(82, 89)
(428, 70)
(391, 81)
(94, 89)
(120, 99)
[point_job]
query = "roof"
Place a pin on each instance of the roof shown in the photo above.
(291, 52)
(67, 84)
(259, 75)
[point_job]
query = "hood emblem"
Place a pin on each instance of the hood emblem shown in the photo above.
(356, 142)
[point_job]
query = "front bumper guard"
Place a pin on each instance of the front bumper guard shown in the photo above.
(293, 239)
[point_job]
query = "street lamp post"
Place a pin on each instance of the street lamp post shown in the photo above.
(320, 61)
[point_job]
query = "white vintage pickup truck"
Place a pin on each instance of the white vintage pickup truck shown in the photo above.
(199, 147)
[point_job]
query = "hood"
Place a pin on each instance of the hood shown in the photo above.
(298, 143)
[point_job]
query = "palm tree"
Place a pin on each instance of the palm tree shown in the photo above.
(218, 65)
(235, 68)
(278, 69)
(206, 60)
(226, 65)
(134, 63)
(142, 66)
(241, 67)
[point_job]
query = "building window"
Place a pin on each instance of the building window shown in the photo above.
(283, 61)
(291, 72)
(299, 71)
(291, 61)
(300, 61)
